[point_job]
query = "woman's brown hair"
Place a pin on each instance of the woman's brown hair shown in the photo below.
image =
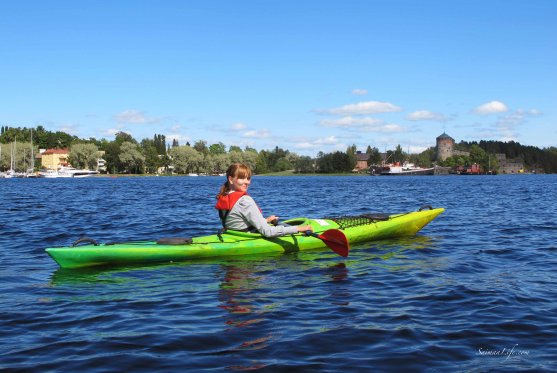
(239, 170)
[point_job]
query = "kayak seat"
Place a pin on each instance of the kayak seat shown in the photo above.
(175, 241)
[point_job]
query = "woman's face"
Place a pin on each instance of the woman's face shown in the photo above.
(239, 185)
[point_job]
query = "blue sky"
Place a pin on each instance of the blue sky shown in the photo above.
(307, 76)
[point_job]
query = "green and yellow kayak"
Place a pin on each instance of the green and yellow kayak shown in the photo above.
(86, 252)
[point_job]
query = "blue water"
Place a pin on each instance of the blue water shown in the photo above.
(476, 290)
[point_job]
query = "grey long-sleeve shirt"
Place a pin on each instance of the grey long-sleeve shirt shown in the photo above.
(245, 214)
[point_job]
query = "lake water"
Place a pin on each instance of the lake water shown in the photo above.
(475, 290)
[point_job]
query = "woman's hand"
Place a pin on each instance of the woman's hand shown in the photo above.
(273, 219)
(305, 228)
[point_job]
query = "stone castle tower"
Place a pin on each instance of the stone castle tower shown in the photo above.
(445, 146)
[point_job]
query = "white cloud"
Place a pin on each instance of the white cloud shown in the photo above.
(506, 125)
(530, 113)
(350, 122)
(516, 118)
(111, 131)
(416, 149)
(320, 144)
(493, 107)
(304, 145)
(426, 115)
(362, 108)
(238, 126)
(331, 140)
(134, 117)
(359, 92)
(176, 127)
(365, 124)
(69, 128)
(258, 134)
(390, 128)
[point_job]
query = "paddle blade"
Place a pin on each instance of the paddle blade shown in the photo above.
(336, 241)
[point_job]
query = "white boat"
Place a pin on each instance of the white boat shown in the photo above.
(406, 169)
(10, 174)
(66, 172)
(51, 174)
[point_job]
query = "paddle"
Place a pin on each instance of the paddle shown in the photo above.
(334, 239)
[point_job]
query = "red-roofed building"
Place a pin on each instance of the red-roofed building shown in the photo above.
(361, 162)
(54, 158)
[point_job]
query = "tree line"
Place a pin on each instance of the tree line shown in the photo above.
(124, 154)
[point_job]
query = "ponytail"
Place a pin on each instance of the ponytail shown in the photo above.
(224, 189)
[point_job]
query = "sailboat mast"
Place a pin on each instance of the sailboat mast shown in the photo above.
(11, 156)
(32, 155)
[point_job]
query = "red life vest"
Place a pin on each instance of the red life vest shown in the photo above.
(228, 201)
(225, 203)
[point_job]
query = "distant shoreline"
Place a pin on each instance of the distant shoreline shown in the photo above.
(215, 176)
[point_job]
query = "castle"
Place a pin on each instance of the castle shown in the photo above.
(445, 147)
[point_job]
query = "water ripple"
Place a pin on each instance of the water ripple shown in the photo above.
(474, 285)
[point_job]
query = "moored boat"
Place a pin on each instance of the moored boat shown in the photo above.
(405, 169)
(64, 172)
(356, 229)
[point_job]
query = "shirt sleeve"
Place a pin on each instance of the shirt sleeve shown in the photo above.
(251, 213)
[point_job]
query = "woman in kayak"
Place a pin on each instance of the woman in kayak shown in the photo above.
(238, 211)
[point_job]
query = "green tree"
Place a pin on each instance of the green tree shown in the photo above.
(351, 153)
(153, 159)
(283, 164)
(21, 151)
(159, 142)
(337, 162)
(112, 152)
(219, 148)
(374, 156)
(131, 157)
(250, 158)
(201, 147)
(220, 163)
(84, 156)
(236, 156)
(261, 166)
(185, 159)
(398, 155)
(304, 164)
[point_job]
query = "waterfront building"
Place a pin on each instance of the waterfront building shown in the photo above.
(509, 166)
(361, 162)
(53, 159)
(101, 162)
